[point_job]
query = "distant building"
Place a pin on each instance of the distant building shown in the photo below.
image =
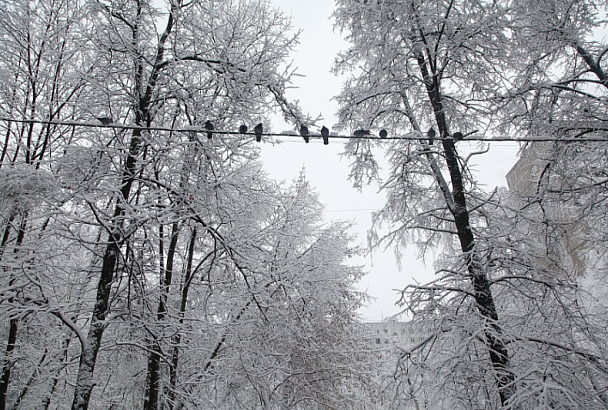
(525, 174)
(525, 179)
(391, 332)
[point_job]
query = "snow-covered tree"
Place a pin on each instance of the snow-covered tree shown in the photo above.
(276, 319)
(40, 57)
(209, 59)
(508, 330)
(145, 265)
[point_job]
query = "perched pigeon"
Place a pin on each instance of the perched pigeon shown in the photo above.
(383, 133)
(458, 136)
(243, 129)
(431, 134)
(258, 130)
(209, 127)
(361, 133)
(325, 135)
(105, 120)
(304, 133)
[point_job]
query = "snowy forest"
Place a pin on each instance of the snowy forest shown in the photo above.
(147, 261)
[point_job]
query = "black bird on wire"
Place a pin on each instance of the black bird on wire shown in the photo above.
(243, 129)
(209, 127)
(458, 136)
(258, 130)
(325, 135)
(105, 120)
(383, 133)
(304, 133)
(431, 134)
(361, 133)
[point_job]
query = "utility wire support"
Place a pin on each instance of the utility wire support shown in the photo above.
(292, 134)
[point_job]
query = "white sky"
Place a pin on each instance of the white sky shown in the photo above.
(328, 172)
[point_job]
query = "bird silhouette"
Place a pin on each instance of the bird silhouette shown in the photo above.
(458, 135)
(304, 133)
(258, 130)
(243, 129)
(105, 120)
(383, 133)
(361, 133)
(209, 127)
(325, 135)
(431, 134)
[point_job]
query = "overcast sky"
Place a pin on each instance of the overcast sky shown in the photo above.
(328, 172)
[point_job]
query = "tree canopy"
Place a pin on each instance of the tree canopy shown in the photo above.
(144, 267)
(506, 324)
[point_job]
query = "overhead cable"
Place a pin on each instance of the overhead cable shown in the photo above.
(324, 134)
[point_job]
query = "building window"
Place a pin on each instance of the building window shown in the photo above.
(378, 341)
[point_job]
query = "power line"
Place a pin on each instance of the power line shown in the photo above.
(293, 134)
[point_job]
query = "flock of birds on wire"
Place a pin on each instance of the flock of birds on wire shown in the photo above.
(304, 132)
(258, 130)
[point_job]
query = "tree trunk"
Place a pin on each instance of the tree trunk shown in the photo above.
(13, 324)
(30, 381)
(84, 382)
(153, 373)
(182, 310)
(499, 356)
(6, 368)
(63, 359)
